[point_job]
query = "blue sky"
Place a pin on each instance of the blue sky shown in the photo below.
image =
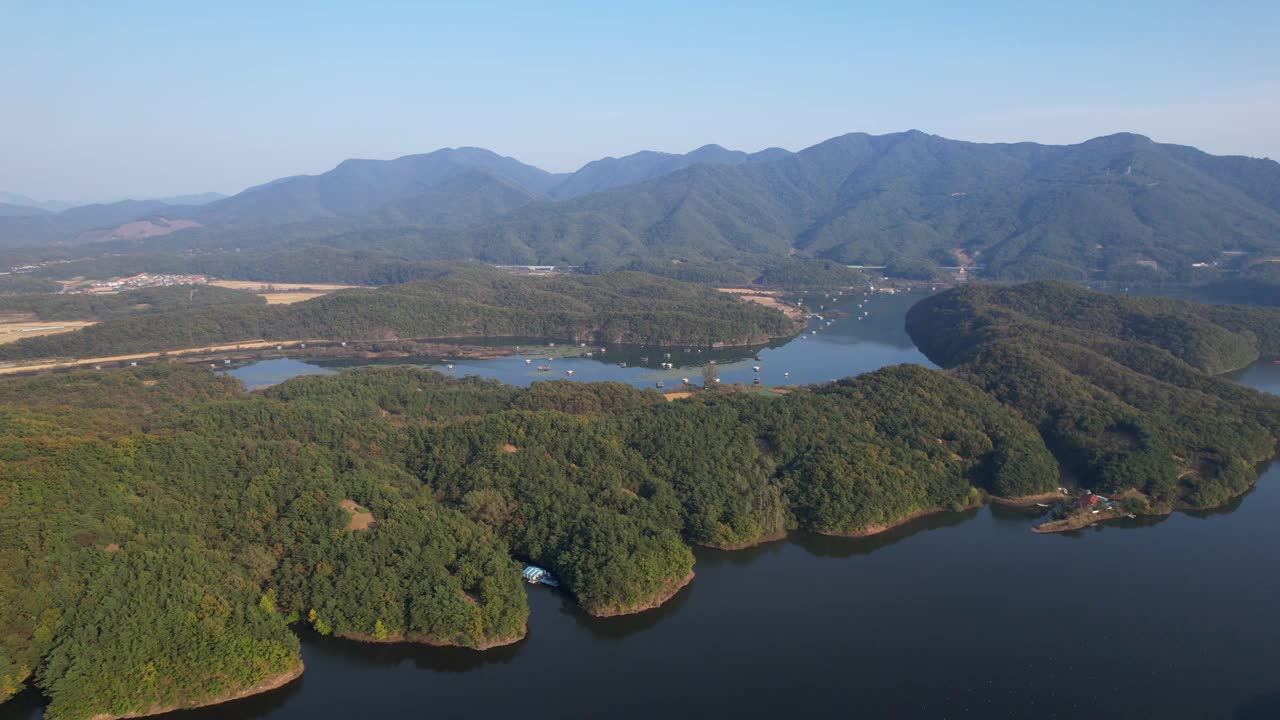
(133, 99)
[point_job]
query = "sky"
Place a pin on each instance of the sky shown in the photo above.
(107, 100)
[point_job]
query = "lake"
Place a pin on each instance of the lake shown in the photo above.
(848, 346)
(960, 615)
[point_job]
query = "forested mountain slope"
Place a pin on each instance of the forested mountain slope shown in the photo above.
(1018, 209)
(1121, 205)
(608, 173)
(357, 187)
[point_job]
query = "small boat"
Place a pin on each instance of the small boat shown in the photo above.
(755, 368)
(660, 385)
(535, 575)
(622, 364)
(786, 374)
(569, 373)
(755, 381)
(1044, 505)
(1131, 516)
(450, 366)
(544, 368)
(759, 358)
(527, 361)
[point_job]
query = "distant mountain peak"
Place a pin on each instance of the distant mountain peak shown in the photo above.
(609, 173)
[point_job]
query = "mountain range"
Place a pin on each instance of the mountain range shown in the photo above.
(1120, 205)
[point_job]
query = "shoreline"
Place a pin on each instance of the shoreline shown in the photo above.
(354, 349)
(652, 603)
(878, 528)
(772, 537)
(401, 639)
(272, 683)
(1027, 500)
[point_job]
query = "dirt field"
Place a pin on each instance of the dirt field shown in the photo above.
(768, 298)
(270, 287)
(677, 395)
(11, 332)
(288, 298)
(361, 518)
(748, 291)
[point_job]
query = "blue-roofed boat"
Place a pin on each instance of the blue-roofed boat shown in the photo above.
(535, 575)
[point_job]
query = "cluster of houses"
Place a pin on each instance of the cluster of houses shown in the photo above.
(1096, 503)
(146, 280)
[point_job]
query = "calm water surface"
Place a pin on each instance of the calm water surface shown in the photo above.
(848, 346)
(965, 615)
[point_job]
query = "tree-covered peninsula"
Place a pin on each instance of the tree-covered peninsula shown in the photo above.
(471, 301)
(161, 529)
(1123, 390)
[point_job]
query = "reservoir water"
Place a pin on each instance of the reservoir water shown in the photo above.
(848, 346)
(961, 615)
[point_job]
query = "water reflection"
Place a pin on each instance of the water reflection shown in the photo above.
(422, 657)
(1263, 707)
(828, 546)
(624, 626)
(255, 706)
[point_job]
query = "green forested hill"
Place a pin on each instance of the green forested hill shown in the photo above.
(1122, 389)
(864, 199)
(609, 173)
(616, 308)
(158, 529)
(357, 187)
(1121, 205)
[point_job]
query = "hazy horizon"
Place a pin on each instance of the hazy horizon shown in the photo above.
(152, 100)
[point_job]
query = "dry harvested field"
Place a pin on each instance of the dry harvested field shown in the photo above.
(768, 298)
(288, 298)
(270, 287)
(11, 332)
